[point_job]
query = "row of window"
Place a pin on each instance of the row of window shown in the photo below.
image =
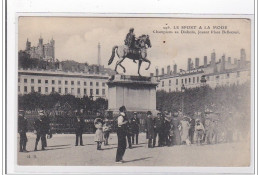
(66, 90)
(175, 89)
(193, 80)
(217, 77)
(59, 82)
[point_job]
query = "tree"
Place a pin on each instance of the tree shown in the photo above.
(35, 100)
(101, 104)
(225, 98)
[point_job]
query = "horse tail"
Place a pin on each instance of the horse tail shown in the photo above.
(113, 55)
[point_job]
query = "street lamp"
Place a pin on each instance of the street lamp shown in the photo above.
(203, 81)
(91, 101)
(182, 101)
(91, 96)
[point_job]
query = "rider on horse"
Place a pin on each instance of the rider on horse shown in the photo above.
(130, 38)
(134, 49)
(130, 41)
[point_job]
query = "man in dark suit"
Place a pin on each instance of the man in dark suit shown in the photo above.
(22, 129)
(121, 134)
(79, 129)
(166, 131)
(45, 128)
(149, 128)
(158, 129)
(135, 123)
(38, 126)
(129, 133)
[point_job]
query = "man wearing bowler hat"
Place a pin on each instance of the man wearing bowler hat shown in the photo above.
(158, 129)
(22, 129)
(39, 129)
(149, 128)
(135, 124)
(79, 129)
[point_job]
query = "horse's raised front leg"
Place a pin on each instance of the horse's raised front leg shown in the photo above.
(148, 66)
(139, 65)
(148, 61)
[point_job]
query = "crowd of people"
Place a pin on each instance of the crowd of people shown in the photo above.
(164, 129)
(209, 128)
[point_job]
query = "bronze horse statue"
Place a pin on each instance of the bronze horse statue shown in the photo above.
(134, 54)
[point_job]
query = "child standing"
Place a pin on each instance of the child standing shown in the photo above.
(98, 122)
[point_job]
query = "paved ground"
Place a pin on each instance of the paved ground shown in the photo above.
(62, 151)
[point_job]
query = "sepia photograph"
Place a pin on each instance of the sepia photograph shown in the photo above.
(134, 91)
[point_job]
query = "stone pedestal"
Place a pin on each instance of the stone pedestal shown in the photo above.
(134, 92)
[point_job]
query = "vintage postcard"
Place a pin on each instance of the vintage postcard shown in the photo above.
(134, 91)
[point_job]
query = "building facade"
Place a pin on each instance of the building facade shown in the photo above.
(41, 51)
(78, 84)
(172, 83)
(216, 73)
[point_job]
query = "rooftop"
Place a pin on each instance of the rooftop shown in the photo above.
(59, 72)
(182, 74)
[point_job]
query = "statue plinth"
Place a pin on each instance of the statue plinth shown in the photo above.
(134, 92)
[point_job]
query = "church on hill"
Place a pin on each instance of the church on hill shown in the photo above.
(41, 51)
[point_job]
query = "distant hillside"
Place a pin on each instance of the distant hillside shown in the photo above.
(70, 65)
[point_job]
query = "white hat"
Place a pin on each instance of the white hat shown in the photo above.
(41, 112)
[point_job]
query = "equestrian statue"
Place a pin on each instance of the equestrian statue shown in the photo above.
(134, 49)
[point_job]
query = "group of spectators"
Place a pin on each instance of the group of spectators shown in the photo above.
(207, 128)
(164, 129)
(103, 129)
(41, 129)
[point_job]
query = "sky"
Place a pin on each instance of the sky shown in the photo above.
(77, 38)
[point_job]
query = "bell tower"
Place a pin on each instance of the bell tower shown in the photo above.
(28, 45)
(40, 48)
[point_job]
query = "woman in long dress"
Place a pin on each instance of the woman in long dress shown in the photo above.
(99, 136)
(199, 131)
(175, 128)
(185, 126)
